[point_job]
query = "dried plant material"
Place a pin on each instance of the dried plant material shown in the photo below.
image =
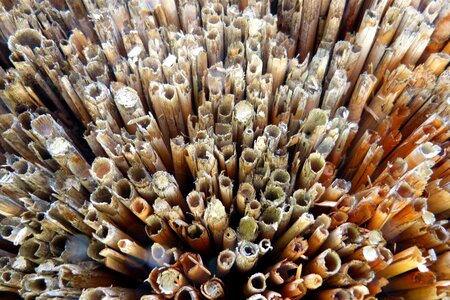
(194, 269)
(225, 261)
(105, 293)
(256, 284)
(217, 220)
(185, 143)
(133, 249)
(166, 281)
(296, 229)
(187, 292)
(104, 171)
(325, 264)
(246, 256)
(353, 272)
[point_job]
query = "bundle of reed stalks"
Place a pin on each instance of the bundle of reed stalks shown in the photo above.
(225, 149)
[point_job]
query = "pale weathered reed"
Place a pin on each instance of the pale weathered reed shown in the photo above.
(224, 149)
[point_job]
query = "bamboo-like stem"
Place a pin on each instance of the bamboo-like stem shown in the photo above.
(133, 249)
(110, 235)
(269, 221)
(295, 230)
(229, 238)
(438, 198)
(104, 171)
(363, 89)
(320, 176)
(338, 293)
(404, 261)
(411, 280)
(103, 199)
(316, 240)
(312, 281)
(129, 106)
(196, 236)
(194, 269)
(246, 256)
(159, 232)
(141, 180)
(364, 39)
(214, 45)
(124, 191)
(326, 264)
(440, 267)
(159, 255)
(178, 146)
(11, 278)
(294, 289)
(338, 218)
(281, 273)
(105, 292)
(353, 272)
(277, 65)
(312, 170)
(440, 35)
(225, 261)
(166, 187)
(248, 229)
(70, 276)
(425, 292)
(403, 218)
(141, 208)
(187, 292)
(213, 289)
(166, 280)
(196, 204)
(226, 191)
(217, 220)
(388, 27)
(307, 36)
(247, 163)
(295, 249)
(99, 104)
(39, 283)
(333, 21)
(256, 284)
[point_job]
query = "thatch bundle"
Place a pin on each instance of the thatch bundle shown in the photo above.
(225, 149)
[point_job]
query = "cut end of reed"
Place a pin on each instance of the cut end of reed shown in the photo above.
(185, 149)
